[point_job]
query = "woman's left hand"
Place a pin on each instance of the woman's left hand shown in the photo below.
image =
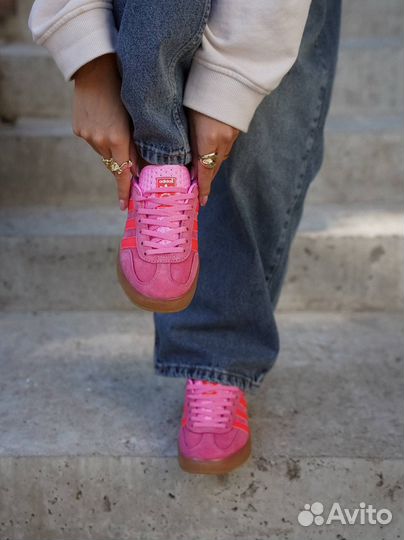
(209, 135)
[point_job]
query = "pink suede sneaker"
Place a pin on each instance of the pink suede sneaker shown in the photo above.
(215, 435)
(158, 261)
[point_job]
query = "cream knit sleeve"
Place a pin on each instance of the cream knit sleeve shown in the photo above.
(74, 31)
(247, 48)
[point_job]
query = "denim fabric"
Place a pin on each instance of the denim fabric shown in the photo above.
(229, 333)
(156, 43)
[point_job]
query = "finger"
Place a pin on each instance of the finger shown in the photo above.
(196, 171)
(134, 157)
(222, 155)
(123, 153)
(206, 175)
(205, 179)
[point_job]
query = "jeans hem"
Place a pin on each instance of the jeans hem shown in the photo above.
(210, 374)
(162, 156)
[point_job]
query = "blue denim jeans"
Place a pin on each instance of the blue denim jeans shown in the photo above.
(229, 333)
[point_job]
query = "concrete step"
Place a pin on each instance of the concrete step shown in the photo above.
(368, 81)
(42, 162)
(372, 18)
(359, 19)
(362, 161)
(345, 257)
(31, 83)
(15, 27)
(369, 78)
(89, 433)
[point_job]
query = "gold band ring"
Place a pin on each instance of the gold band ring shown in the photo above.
(114, 167)
(209, 160)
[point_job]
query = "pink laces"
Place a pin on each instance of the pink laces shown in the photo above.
(166, 222)
(210, 405)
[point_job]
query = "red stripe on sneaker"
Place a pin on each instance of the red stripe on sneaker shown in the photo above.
(131, 205)
(243, 401)
(194, 244)
(130, 224)
(195, 225)
(242, 414)
(241, 426)
(128, 243)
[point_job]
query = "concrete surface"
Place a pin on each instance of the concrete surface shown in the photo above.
(372, 18)
(360, 88)
(363, 162)
(83, 457)
(127, 498)
(32, 85)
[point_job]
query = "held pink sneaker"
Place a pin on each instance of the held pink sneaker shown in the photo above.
(158, 261)
(215, 435)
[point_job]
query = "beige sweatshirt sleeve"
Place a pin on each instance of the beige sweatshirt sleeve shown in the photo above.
(246, 49)
(74, 31)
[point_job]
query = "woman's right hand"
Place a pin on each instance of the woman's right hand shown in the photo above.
(100, 118)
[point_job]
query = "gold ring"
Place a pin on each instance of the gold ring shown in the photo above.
(114, 166)
(209, 160)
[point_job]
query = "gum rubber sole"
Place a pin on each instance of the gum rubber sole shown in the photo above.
(221, 466)
(150, 304)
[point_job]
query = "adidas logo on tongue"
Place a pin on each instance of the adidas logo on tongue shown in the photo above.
(164, 182)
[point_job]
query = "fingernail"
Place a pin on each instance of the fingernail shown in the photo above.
(122, 204)
(204, 200)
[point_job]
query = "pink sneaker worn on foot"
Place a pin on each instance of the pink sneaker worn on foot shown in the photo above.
(215, 435)
(158, 261)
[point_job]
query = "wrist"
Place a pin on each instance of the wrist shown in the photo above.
(101, 64)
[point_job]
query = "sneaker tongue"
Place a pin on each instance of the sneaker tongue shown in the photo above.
(210, 387)
(161, 176)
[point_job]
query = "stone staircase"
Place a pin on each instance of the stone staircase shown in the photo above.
(81, 456)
